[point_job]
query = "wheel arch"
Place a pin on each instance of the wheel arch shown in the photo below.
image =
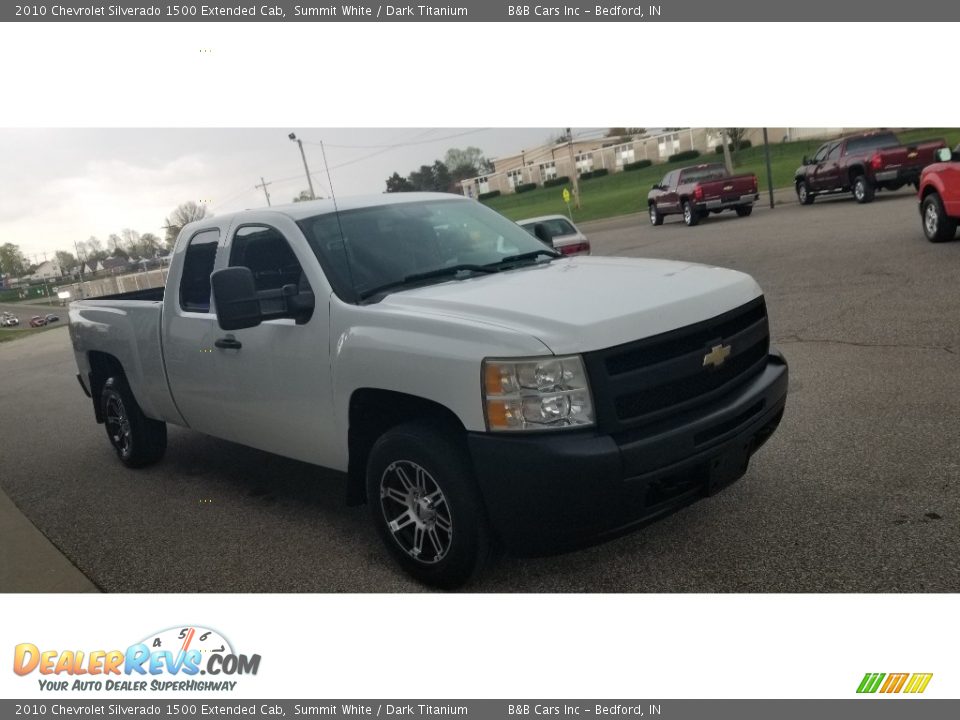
(102, 367)
(372, 412)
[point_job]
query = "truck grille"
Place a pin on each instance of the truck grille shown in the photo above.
(648, 380)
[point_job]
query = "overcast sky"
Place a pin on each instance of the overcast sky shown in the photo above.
(58, 186)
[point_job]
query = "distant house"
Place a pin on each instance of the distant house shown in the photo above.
(46, 270)
(115, 264)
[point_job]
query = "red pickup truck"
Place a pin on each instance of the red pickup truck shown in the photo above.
(862, 164)
(940, 196)
(699, 190)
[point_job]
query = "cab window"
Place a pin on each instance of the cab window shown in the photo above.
(197, 265)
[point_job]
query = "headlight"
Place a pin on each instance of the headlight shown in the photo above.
(549, 393)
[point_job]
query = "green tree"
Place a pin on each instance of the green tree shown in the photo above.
(183, 214)
(736, 136)
(398, 183)
(466, 163)
(67, 262)
(304, 196)
(12, 261)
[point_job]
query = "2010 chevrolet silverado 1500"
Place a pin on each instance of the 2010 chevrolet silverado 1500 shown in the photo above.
(477, 388)
(862, 164)
(697, 191)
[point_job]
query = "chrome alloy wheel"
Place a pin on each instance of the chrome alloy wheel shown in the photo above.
(416, 511)
(118, 426)
(931, 219)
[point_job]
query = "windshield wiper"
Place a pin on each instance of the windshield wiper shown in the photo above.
(427, 275)
(532, 255)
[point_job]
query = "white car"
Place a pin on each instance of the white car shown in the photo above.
(473, 386)
(563, 234)
(9, 320)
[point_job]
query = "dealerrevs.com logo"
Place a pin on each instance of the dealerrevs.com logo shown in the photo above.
(892, 683)
(174, 659)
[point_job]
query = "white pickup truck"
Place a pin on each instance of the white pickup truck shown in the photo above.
(478, 389)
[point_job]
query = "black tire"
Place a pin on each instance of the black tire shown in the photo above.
(691, 216)
(937, 225)
(137, 439)
(446, 558)
(656, 217)
(744, 210)
(804, 196)
(863, 191)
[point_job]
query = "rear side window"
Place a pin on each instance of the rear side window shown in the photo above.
(835, 152)
(871, 142)
(557, 227)
(197, 266)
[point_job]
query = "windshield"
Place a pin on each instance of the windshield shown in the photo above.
(871, 142)
(387, 244)
(702, 174)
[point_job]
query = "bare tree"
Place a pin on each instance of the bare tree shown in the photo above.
(184, 213)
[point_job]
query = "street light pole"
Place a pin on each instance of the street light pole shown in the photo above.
(766, 152)
(293, 136)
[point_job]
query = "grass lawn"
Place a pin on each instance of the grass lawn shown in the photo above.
(626, 192)
(8, 334)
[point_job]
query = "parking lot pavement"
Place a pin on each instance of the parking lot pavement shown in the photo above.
(858, 491)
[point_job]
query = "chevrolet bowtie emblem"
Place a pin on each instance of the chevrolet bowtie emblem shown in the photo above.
(716, 356)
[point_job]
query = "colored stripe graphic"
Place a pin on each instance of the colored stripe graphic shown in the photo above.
(870, 682)
(894, 682)
(918, 683)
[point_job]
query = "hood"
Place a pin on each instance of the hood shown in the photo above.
(586, 303)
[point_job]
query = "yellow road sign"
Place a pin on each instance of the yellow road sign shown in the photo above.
(566, 195)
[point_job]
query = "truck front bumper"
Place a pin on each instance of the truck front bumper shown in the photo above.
(551, 492)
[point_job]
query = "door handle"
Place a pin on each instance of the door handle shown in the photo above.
(228, 343)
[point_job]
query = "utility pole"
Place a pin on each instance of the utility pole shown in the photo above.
(727, 160)
(298, 141)
(263, 184)
(82, 262)
(573, 166)
(766, 152)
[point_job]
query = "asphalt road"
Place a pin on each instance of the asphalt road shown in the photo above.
(859, 491)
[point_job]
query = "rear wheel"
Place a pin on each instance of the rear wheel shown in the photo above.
(655, 217)
(803, 193)
(425, 505)
(937, 226)
(137, 439)
(863, 191)
(690, 215)
(744, 210)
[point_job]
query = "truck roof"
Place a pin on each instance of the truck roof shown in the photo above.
(309, 208)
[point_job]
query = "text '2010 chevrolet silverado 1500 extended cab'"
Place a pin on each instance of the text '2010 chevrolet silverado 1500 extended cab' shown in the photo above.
(476, 388)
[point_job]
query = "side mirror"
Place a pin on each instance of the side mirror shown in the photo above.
(543, 234)
(657, 186)
(806, 160)
(943, 155)
(235, 297)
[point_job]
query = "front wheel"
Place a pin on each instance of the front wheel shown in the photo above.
(803, 193)
(656, 218)
(744, 210)
(425, 505)
(863, 191)
(137, 439)
(690, 216)
(937, 225)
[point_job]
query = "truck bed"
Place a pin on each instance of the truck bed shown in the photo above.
(128, 329)
(152, 294)
(729, 189)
